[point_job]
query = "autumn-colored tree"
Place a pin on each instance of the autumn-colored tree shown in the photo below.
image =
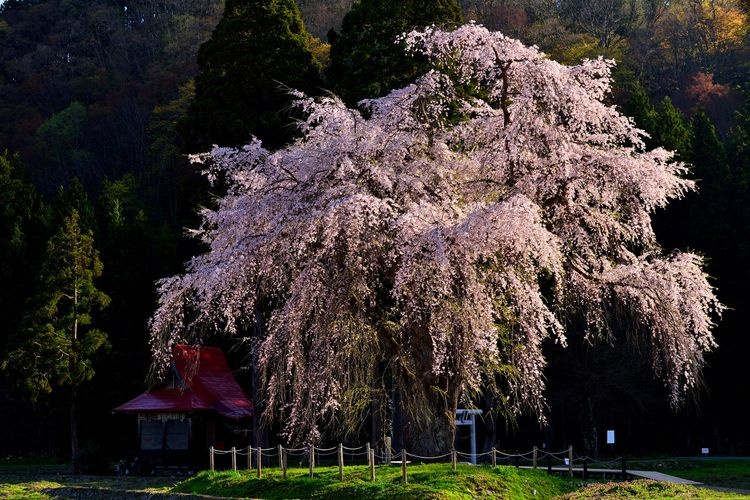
(431, 245)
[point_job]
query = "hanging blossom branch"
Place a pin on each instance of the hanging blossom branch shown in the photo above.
(444, 234)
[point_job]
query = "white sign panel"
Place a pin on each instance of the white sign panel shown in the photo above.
(704, 451)
(610, 437)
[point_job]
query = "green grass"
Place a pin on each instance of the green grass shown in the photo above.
(31, 490)
(429, 481)
(727, 473)
(38, 482)
(647, 489)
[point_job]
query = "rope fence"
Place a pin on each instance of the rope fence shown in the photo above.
(554, 462)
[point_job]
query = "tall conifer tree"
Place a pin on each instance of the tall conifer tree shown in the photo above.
(257, 49)
(58, 341)
(366, 61)
(671, 132)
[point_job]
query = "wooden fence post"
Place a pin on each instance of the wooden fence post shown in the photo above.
(534, 457)
(249, 458)
(371, 459)
(403, 465)
(585, 467)
(494, 457)
(624, 469)
(312, 460)
(570, 460)
(283, 464)
(341, 462)
(549, 463)
(259, 460)
(281, 457)
(388, 450)
(453, 458)
(211, 457)
(234, 459)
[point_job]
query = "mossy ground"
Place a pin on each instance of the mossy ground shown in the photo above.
(431, 481)
(647, 489)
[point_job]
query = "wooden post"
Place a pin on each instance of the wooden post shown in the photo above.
(312, 460)
(624, 469)
(367, 452)
(341, 462)
(283, 464)
(388, 450)
(234, 459)
(453, 458)
(211, 457)
(549, 463)
(281, 457)
(249, 458)
(534, 459)
(403, 466)
(371, 457)
(570, 460)
(585, 467)
(259, 461)
(494, 457)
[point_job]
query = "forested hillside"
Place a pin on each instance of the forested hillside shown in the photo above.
(100, 101)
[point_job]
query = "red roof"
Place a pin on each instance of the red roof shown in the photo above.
(208, 385)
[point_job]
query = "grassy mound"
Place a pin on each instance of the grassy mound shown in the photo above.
(430, 481)
(646, 488)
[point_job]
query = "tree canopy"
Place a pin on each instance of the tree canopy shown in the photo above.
(258, 47)
(366, 61)
(434, 241)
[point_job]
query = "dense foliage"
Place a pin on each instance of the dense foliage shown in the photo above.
(366, 60)
(446, 235)
(257, 52)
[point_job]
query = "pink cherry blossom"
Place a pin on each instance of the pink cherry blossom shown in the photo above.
(442, 233)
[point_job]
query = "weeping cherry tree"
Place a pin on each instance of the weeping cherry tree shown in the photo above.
(427, 243)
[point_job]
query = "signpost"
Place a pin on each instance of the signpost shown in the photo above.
(611, 441)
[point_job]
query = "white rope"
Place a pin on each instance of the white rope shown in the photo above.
(351, 454)
(554, 454)
(353, 449)
(508, 454)
(427, 458)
